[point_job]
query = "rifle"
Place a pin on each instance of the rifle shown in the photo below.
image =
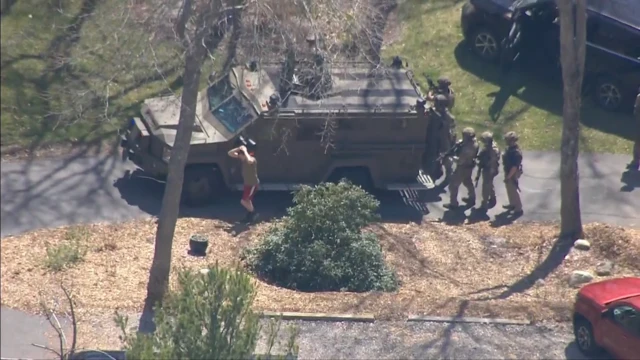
(454, 149)
(482, 160)
(432, 85)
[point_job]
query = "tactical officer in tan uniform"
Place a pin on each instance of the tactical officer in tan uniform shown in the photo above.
(635, 163)
(447, 134)
(465, 162)
(488, 163)
(512, 162)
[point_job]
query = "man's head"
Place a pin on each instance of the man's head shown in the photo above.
(511, 138)
(468, 134)
(487, 138)
(444, 82)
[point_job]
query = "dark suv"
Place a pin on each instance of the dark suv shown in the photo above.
(506, 30)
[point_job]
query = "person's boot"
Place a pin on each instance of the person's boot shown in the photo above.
(492, 203)
(248, 217)
(634, 165)
(508, 207)
(517, 213)
(471, 201)
(451, 206)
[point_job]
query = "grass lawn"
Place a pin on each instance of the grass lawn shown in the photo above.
(73, 74)
(112, 69)
(431, 41)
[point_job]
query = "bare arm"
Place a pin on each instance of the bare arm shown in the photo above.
(235, 152)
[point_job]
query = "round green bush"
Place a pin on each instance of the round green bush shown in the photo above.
(321, 245)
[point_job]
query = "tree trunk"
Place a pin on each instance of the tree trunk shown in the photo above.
(572, 54)
(160, 268)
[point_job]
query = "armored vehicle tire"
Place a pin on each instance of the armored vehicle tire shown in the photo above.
(359, 176)
(203, 185)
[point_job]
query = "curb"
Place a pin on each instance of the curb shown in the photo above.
(466, 320)
(318, 316)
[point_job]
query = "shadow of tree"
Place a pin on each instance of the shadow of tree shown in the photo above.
(537, 87)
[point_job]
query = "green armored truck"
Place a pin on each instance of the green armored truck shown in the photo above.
(311, 124)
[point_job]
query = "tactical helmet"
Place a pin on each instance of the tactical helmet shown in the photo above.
(487, 136)
(469, 132)
(443, 81)
(511, 137)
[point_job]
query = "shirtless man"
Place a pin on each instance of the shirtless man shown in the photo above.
(250, 178)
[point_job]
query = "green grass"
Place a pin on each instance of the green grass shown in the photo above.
(111, 59)
(110, 69)
(432, 43)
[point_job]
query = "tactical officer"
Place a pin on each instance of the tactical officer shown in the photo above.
(447, 130)
(635, 163)
(512, 162)
(443, 88)
(465, 162)
(488, 162)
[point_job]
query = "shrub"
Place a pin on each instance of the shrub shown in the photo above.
(69, 252)
(321, 245)
(209, 316)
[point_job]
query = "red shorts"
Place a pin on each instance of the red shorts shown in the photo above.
(248, 192)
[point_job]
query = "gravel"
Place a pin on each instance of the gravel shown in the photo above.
(395, 340)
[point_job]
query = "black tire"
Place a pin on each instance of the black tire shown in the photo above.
(359, 176)
(585, 341)
(203, 185)
(485, 44)
(608, 93)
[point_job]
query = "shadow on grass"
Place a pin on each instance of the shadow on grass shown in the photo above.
(525, 83)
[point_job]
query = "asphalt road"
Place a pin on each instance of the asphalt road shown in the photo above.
(380, 340)
(49, 193)
(383, 340)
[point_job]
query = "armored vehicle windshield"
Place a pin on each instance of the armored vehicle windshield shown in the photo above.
(226, 106)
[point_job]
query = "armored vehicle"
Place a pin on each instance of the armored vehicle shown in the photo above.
(310, 126)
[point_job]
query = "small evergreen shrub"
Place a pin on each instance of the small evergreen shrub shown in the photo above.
(69, 252)
(208, 316)
(321, 246)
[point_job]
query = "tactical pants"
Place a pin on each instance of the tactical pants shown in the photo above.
(462, 175)
(488, 189)
(447, 139)
(512, 193)
(636, 153)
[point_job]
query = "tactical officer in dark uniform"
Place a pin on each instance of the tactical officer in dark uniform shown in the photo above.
(512, 162)
(443, 88)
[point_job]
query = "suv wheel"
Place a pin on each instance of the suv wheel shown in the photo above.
(585, 341)
(203, 185)
(608, 93)
(485, 44)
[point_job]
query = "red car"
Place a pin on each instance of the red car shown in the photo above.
(607, 316)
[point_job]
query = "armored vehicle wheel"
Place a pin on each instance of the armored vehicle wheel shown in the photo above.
(203, 185)
(359, 176)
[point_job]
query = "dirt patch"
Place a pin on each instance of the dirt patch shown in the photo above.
(519, 271)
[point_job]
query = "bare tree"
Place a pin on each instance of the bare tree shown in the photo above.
(572, 16)
(196, 24)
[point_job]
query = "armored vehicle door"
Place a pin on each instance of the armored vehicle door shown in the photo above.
(273, 137)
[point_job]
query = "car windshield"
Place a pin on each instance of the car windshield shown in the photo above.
(232, 114)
